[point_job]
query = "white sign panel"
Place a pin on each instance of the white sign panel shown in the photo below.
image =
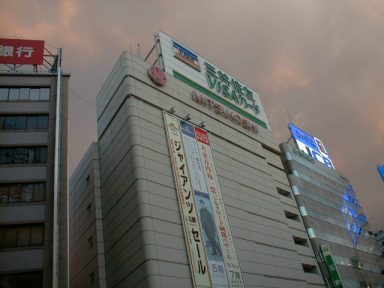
(189, 67)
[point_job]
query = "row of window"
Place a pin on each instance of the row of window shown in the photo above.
(23, 155)
(12, 236)
(24, 94)
(22, 192)
(24, 122)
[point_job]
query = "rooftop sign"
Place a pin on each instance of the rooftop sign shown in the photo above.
(310, 145)
(192, 69)
(16, 51)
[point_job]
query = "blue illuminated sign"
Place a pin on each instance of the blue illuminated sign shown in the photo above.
(381, 171)
(354, 218)
(311, 145)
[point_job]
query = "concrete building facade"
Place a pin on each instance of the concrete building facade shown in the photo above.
(322, 195)
(27, 159)
(133, 233)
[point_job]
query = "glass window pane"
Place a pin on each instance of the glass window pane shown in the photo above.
(4, 94)
(21, 122)
(34, 94)
(9, 156)
(10, 123)
(39, 192)
(15, 193)
(2, 237)
(42, 123)
(2, 122)
(20, 155)
(3, 156)
(27, 193)
(44, 94)
(23, 236)
(43, 155)
(24, 94)
(10, 237)
(4, 193)
(37, 235)
(14, 94)
(32, 123)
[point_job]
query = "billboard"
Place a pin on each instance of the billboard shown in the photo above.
(192, 163)
(197, 72)
(331, 265)
(310, 145)
(16, 51)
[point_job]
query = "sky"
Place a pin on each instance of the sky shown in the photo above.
(318, 63)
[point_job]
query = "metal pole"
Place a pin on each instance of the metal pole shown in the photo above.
(56, 189)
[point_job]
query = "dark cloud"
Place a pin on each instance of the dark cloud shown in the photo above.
(321, 62)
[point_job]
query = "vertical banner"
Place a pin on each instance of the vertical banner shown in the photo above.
(335, 275)
(206, 214)
(225, 236)
(188, 209)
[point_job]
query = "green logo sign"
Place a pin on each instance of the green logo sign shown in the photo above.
(335, 276)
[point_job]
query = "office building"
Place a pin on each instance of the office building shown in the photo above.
(185, 186)
(33, 230)
(348, 254)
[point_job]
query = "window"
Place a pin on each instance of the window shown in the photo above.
(291, 215)
(23, 155)
(12, 236)
(33, 279)
(92, 279)
(22, 192)
(24, 122)
(89, 207)
(300, 241)
(24, 94)
(308, 268)
(90, 242)
(284, 192)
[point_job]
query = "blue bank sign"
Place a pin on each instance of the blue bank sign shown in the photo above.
(310, 145)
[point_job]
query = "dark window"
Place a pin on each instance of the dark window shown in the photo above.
(12, 236)
(24, 122)
(89, 207)
(42, 122)
(21, 122)
(90, 242)
(92, 279)
(23, 155)
(292, 216)
(308, 268)
(22, 192)
(32, 123)
(300, 241)
(21, 280)
(284, 192)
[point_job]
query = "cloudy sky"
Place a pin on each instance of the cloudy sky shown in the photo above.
(319, 61)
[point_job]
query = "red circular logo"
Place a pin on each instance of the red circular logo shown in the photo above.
(157, 75)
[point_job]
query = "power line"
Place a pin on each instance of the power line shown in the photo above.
(81, 98)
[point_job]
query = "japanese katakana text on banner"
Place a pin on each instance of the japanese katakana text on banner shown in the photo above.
(225, 235)
(188, 210)
(204, 207)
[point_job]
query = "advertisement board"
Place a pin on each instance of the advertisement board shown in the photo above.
(310, 145)
(192, 230)
(331, 265)
(16, 51)
(194, 70)
(193, 165)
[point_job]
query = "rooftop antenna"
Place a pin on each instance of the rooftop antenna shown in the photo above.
(290, 120)
(138, 50)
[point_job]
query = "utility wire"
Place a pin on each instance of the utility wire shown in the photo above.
(81, 98)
